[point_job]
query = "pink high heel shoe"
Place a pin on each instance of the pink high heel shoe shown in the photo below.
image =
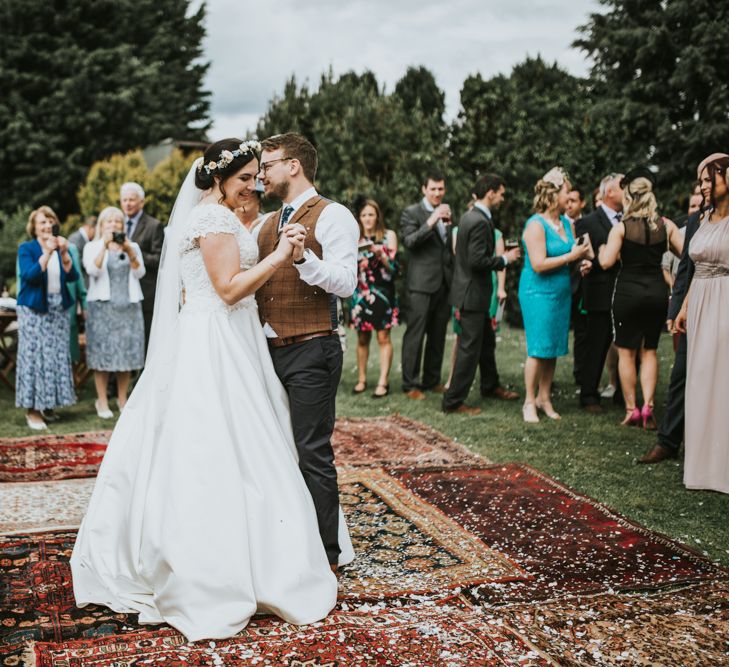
(649, 420)
(632, 417)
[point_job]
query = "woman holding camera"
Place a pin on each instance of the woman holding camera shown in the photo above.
(545, 294)
(374, 303)
(115, 324)
(44, 379)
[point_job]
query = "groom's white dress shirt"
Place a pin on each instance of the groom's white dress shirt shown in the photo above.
(338, 234)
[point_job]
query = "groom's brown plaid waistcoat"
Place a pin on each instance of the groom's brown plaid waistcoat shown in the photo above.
(291, 306)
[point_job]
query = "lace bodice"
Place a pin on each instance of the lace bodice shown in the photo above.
(211, 219)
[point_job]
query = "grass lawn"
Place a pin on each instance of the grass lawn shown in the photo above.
(592, 454)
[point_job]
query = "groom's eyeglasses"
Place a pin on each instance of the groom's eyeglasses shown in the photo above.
(265, 166)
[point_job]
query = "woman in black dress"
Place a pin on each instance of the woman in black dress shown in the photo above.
(374, 303)
(640, 300)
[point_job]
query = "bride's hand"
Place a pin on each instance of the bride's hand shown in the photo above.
(296, 235)
(284, 250)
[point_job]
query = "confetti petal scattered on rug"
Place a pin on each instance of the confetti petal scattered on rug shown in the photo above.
(688, 627)
(414, 636)
(570, 543)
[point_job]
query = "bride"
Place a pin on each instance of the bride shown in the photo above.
(200, 516)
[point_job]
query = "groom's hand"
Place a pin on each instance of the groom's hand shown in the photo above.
(296, 234)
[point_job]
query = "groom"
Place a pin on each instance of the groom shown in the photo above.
(298, 310)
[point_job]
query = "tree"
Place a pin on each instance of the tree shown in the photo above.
(660, 78)
(369, 143)
(83, 79)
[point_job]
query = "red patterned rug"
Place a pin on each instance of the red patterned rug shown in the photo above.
(571, 544)
(688, 627)
(396, 440)
(51, 457)
(393, 440)
(415, 636)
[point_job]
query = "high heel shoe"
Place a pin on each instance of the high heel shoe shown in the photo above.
(548, 410)
(649, 420)
(529, 413)
(632, 417)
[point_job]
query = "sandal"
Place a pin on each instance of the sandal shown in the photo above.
(386, 387)
(548, 410)
(359, 391)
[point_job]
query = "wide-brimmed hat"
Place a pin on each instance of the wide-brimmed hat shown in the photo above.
(638, 172)
(707, 161)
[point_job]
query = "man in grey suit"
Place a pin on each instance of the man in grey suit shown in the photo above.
(425, 232)
(148, 233)
(471, 294)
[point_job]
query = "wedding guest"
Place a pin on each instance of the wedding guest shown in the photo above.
(573, 212)
(374, 302)
(425, 232)
(597, 291)
(147, 232)
(544, 289)
(471, 292)
(671, 429)
(640, 299)
(44, 380)
(84, 233)
(670, 261)
(704, 317)
(77, 290)
(115, 323)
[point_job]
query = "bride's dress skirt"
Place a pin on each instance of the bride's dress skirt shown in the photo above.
(200, 517)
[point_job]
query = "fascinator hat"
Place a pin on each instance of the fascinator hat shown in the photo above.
(556, 176)
(714, 157)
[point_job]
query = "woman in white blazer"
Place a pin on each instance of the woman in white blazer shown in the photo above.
(114, 324)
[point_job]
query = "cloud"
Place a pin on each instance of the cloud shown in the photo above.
(254, 48)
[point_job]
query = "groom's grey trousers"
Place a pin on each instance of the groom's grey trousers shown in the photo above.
(310, 372)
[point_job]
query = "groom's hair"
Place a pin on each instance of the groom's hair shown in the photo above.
(294, 146)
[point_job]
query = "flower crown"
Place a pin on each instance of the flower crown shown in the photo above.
(556, 176)
(226, 157)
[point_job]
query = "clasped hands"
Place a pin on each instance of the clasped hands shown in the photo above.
(292, 241)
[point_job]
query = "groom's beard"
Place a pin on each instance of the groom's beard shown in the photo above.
(281, 190)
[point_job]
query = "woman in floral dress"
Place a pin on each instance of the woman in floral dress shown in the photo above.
(374, 302)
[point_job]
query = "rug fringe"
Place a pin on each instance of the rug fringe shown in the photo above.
(28, 657)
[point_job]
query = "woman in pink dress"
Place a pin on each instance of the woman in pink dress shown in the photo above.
(704, 317)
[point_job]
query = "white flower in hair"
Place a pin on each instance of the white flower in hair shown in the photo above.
(555, 177)
(226, 156)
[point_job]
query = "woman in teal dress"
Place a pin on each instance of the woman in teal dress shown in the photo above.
(544, 289)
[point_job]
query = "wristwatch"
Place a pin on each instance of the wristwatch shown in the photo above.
(303, 259)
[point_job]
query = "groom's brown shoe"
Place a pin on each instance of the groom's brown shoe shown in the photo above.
(657, 454)
(334, 567)
(415, 395)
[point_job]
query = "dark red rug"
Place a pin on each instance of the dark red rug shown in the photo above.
(54, 457)
(570, 543)
(415, 636)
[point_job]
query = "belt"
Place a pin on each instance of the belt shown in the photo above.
(282, 342)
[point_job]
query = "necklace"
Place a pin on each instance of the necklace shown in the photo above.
(556, 227)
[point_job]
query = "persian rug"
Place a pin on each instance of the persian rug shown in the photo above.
(406, 546)
(47, 458)
(687, 627)
(40, 506)
(396, 440)
(412, 636)
(36, 596)
(570, 543)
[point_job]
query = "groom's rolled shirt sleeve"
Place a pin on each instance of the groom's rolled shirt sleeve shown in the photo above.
(336, 272)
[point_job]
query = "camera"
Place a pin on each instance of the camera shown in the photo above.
(56, 229)
(118, 237)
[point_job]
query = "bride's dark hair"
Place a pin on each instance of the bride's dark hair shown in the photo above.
(205, 176)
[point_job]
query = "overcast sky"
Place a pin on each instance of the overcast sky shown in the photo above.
(254, 47)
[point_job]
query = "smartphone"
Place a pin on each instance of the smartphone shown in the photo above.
(499, 316)
(510, 244)
(365, 245)
(56, 229)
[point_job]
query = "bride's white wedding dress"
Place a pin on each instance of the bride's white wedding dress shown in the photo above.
(200, 516)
